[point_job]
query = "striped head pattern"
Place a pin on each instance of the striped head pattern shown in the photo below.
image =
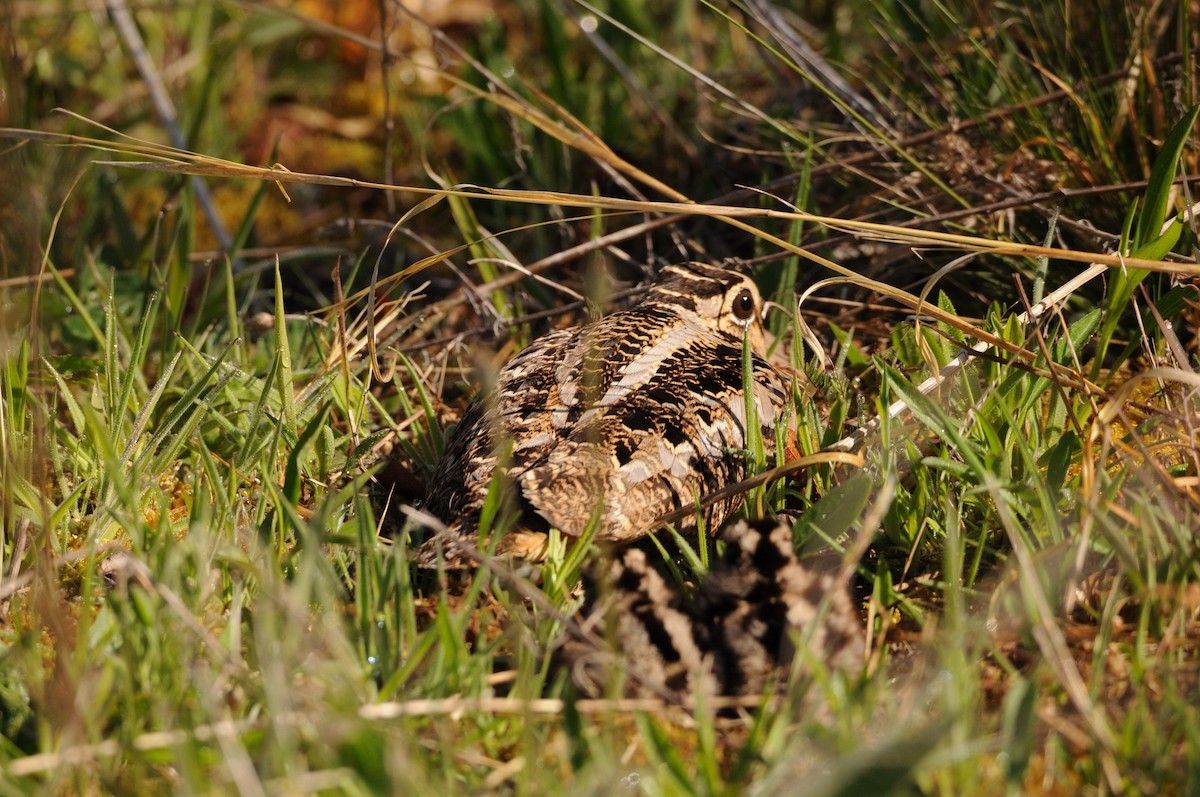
(719, 299)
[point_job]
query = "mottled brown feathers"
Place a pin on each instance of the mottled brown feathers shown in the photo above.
(733, 638)
(634, 415)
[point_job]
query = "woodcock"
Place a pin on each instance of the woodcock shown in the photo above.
(632, 416)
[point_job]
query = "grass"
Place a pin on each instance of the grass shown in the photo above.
(204, 573)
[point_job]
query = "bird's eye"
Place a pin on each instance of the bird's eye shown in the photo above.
(743, 305)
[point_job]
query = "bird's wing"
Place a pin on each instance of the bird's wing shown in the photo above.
(669, 441)
(518, 409)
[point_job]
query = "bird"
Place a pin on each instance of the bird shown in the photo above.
(735, 636)
(614, 423)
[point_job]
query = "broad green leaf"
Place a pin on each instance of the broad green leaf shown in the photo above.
(839, 508)
(1154, 210)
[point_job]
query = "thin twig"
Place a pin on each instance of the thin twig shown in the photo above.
(1029, 200)
(81, 755)
(128, 30)
(964, 358)
(550, 706)
(31, 279)
(389, 124)
(826, 457)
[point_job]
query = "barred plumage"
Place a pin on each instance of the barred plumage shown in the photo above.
(636, 415)
(731, 639)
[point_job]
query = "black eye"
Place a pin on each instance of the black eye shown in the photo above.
(743, 305)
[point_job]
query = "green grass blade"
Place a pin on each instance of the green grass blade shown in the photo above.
(283, 352)
(143, 416)
(1158, 191)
